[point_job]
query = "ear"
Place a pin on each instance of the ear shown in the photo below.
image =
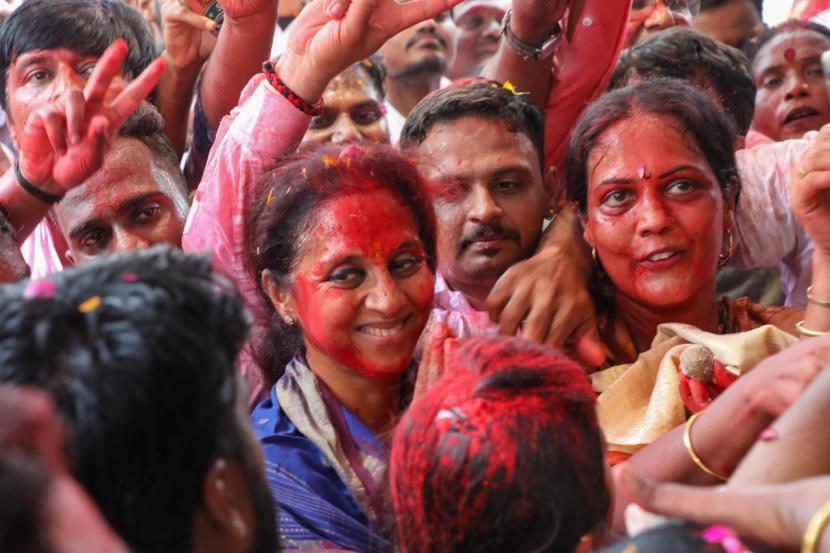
(280, 295)
(226, 502)
(587, 233)
(550, 184)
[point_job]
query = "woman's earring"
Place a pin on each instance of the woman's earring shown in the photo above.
(288, 320)
(723, 259)
(594, 254)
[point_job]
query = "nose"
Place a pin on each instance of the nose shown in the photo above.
(125, 241)
(483, 207)
(660, 17)
(67, 78)
(386, 296)
(654, 215)
(345, 131)
(797, 87)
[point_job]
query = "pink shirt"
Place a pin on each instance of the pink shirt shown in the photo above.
(463, 320)
(248, 144)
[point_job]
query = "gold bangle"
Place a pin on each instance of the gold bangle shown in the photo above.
(687, 441)
(814, 529)
(808, 331)
(811, 299)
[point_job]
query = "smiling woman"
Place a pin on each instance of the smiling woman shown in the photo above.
(344, 246)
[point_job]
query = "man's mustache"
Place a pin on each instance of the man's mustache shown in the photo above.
(421, 34)
(484, 231)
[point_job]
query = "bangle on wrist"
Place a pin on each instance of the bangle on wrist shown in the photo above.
(31, 189)
(808, 331)
(815, 528)
(687, 441)
(811, 299)
(529, 52)
(274, 80)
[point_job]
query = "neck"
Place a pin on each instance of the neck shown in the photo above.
(375, 401)
(404, 93)
(642, 320)
(475, 289)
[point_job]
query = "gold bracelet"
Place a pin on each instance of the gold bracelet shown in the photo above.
(687, 441)
(808, 331)
(811, 299)
(814, 528)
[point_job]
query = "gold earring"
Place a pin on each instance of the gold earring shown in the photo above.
(730, 241)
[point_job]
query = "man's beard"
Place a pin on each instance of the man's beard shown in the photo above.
(424, 68)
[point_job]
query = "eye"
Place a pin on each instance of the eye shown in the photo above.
(814, 71)
(322, 121)
(405, 265)
(37, 75)
(680, 188)
(86, 69)
(617, 198)
(472, 22)
(771, 82)
(147, 213)
(367, 116)
(508, 186)
(441, 17)
(94, 240)
(347, 277)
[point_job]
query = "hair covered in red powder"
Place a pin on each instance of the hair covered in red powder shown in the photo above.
(503, 454)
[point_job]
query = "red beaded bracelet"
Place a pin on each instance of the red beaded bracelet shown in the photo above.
(271, 76)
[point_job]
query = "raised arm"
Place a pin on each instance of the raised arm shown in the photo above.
(64, 143)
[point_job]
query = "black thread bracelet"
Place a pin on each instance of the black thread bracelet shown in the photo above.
(31, 189)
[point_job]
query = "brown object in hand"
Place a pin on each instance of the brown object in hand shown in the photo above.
(696, 363)
(209, 8)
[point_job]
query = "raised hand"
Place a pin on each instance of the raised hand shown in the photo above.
(188, 36)
(64, 143)
(330, 35)
(533, 21)
(810, 191)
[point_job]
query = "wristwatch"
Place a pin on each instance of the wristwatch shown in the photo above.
(528, 52)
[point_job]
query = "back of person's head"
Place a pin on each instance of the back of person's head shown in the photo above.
(681, 53)
(476, 98)
(696, 116)
(137, 352)
(23, 484)
(85, 26)
(284, 215)
(503, 454)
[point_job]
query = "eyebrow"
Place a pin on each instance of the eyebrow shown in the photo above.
(670, 172)
(128, 204)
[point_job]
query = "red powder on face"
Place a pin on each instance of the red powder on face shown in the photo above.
(362, 289)
(789, 54)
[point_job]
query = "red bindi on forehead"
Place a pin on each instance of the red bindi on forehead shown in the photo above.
(789, 54)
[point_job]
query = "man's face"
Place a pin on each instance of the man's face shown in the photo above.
(132, 202)
(12, 265)
(424, 48)
(477, 25)
(648, 17)
(490, 197)
(39, 77)
(731, 23)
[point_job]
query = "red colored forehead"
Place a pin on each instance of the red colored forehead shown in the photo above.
(789, 54)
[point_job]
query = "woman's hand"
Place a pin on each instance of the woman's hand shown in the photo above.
(775, 515)
(330, 35)
(64, 143)
(439, 347)
(809, 190)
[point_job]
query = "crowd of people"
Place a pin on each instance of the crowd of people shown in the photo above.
(429, 276)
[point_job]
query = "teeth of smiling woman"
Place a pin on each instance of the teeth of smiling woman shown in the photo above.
(661, 256)
(382, 332)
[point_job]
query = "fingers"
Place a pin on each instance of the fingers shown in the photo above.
(75, 115)
(190, 18)
(108, 67)
(132, 96)
(54, 124)
(415, 11)
(336, 9)
(587, 345)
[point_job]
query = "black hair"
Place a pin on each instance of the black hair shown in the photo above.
(477, 98)
(681, 53)
(282, 219)
(375, 68)
(85, 26)
(711, 4)
(137, 352)
(147, 126)
(704, 125)
(755, 44)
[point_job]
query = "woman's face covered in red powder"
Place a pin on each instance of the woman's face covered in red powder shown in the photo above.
(655, 212)
(792, 96)
(362, 288)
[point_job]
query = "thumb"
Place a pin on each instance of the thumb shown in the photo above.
(588, 348)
